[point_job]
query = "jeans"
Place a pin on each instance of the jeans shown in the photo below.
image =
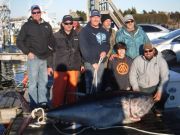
(38, 80)
(89, 73)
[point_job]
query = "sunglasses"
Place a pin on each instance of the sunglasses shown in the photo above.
(36, 12)
(146, 51)
(129, 22)
(68, 23)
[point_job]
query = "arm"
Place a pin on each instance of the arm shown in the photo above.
(51, 44)
(22, 40)
(83, 44)
(146, 39)
(164, 78)
(133, 76)
(164, 75)
(119, 36)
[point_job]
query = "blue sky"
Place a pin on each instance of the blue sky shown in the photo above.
(59, 8)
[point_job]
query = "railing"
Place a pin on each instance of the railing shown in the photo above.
(13, 56)
(108, 7)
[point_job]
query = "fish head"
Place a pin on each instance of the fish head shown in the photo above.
(139, 106)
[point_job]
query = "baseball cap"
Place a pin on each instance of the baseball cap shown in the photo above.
(67, 18)
(148, 46)
(95, 12)
(128, 17)
(35, 7)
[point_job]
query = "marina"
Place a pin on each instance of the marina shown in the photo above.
(15, 111)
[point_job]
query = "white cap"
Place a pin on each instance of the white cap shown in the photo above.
(128, 17)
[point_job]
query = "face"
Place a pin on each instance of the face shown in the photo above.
(36, 14)
(121, 52)
(68, 25)
(95, 20)
(149, 53)
(75, 24)
(107, 23)
(130, 24)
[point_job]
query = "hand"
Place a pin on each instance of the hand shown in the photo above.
(113, 56)
(157, 96)
(136, 90)
(30, 56)
(95, 66)
(82, 69)
(50, 71)
(103, 54)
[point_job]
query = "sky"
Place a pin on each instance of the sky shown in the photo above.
(59, 8)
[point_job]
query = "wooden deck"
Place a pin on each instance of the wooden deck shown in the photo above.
(11, 105)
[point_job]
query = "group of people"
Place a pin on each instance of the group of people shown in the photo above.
(127, 57)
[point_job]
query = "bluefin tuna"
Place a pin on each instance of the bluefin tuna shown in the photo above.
(105, 110)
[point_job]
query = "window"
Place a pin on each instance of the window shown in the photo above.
(150, 28)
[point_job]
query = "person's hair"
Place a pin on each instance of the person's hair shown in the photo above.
(119, 45)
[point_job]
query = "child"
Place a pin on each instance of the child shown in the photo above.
(119, 68)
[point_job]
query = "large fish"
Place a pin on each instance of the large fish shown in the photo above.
(105, 110)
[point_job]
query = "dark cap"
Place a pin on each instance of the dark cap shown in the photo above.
(119, 45)
(35, 7)
(67, 18)
(105, 17)
(148, 46)
(95, 12)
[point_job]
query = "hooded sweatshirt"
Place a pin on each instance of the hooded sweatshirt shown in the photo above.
(146, 74)
(93, 41)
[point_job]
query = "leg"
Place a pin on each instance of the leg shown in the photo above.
(71, 96)
(89, 71)
(42, 82)
(33, 67)
(59, 87)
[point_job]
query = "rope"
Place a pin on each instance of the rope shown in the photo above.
(41, 119)
(94, 81)
(125, 127)
(75, 133)
(133, 128)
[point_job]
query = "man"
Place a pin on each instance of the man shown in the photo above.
(149, 73)
(94, 45)
(65, 64)
(119, 69)
(35, 40)
(133, 36)
(106, 24)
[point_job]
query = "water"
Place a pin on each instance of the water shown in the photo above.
(12, 72)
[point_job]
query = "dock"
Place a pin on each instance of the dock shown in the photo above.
(149, 125)
(13, 56)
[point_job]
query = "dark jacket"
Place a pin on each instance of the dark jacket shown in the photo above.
(36, 38)
(93, 41)
(67, 53)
